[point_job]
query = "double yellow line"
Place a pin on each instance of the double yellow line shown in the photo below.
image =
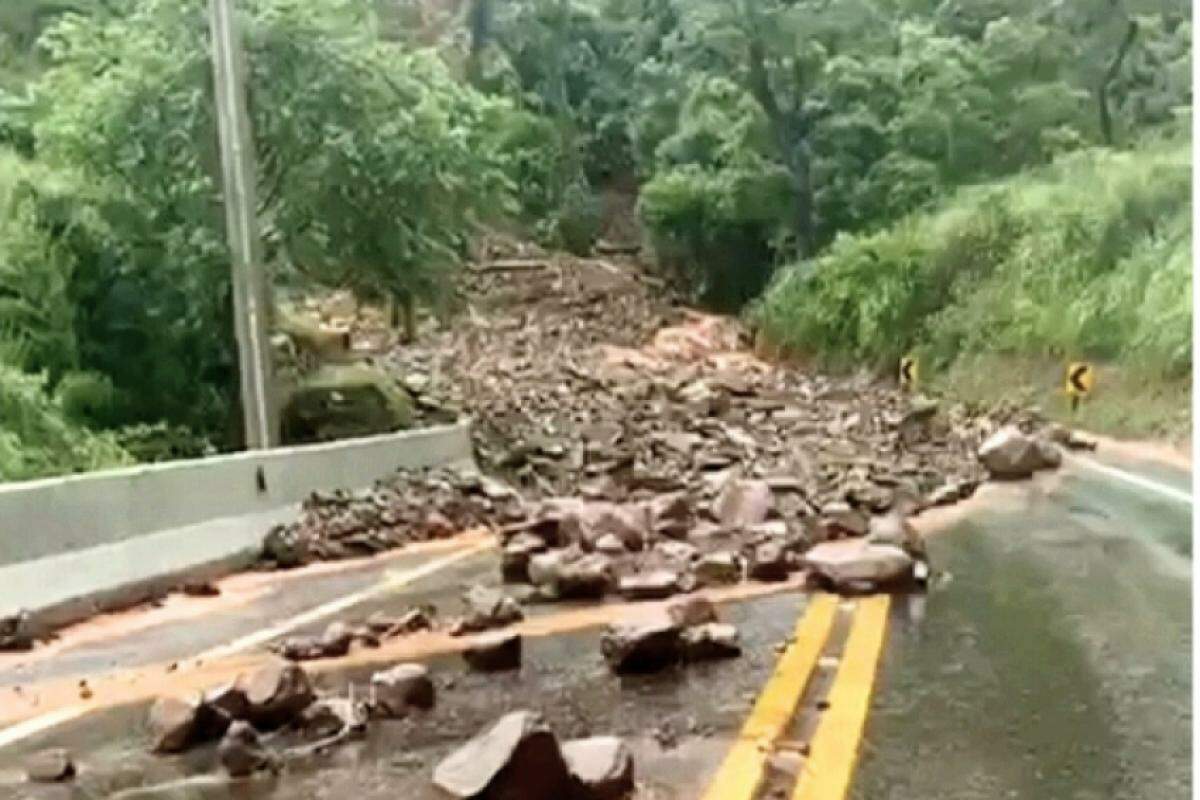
(833, 750)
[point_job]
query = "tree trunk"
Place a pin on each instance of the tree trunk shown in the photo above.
(404, 310)
(1106, 128)
(791, 137)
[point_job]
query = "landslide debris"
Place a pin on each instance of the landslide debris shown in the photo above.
(629, 445)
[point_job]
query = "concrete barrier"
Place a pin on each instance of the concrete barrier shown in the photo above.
(72, 545)
(58, 515)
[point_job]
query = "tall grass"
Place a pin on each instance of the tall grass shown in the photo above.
(1087, 258)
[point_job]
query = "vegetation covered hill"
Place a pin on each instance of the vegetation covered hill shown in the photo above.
(754, 133)
(1089, 258)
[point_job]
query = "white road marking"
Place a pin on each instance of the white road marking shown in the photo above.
(1163, 489)
(392, 581)
(34, 726)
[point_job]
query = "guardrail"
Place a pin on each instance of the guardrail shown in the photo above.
(61, 515)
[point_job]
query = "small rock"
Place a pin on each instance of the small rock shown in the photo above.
(335, 641)
(610, 545)
(769, 562)
(641, 646)
(679, 553)
(277, 694)
(514, 562)
(711, 641)
(50, 766)
(839, 519)
(286, 546)
(241, 752)
(656, 585)
(716, 569)
(517, 758)
(201, 589)
(173, 724)
(16, 633)
(403, 687)
(331, 716)
(495, 653)
(488, 608)
(692, 611)
(603, 766)
(743, 503)
(590, 577)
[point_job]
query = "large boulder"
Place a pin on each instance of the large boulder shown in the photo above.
(497, 652)
(847, 564)
(394, 692)
(656, 585)
(277, 694)
(602, 766)
(1010, 454)
(517, 758)
(710, 641)
(639, 647)
(743, 503)
(49, 766)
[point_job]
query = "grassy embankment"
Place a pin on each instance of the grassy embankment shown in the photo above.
(998, 288)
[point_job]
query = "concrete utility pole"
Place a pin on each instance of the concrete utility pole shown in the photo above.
(251, 293)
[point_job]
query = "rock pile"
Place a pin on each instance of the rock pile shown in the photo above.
(276, 699)
(630, 446)
(337, 639)
(408, 506)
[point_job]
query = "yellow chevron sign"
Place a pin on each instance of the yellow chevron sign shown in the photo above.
(1080, 379)
(908, 372)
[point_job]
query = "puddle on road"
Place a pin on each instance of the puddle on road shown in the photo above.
(564, 677)
(1056, 664)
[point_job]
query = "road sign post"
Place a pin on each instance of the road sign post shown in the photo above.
(251, 293)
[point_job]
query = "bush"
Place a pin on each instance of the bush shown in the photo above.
(1090, 257)
(37, 438)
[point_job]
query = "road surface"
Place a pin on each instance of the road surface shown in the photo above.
(1050, 660)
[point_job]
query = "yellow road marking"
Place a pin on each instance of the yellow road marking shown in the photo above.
(742, 771)
(834, 748)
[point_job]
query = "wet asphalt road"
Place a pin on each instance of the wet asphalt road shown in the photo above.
(1054, 664)
(679, 725)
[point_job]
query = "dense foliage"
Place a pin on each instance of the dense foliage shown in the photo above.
(826, 134)
(1088, 258)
